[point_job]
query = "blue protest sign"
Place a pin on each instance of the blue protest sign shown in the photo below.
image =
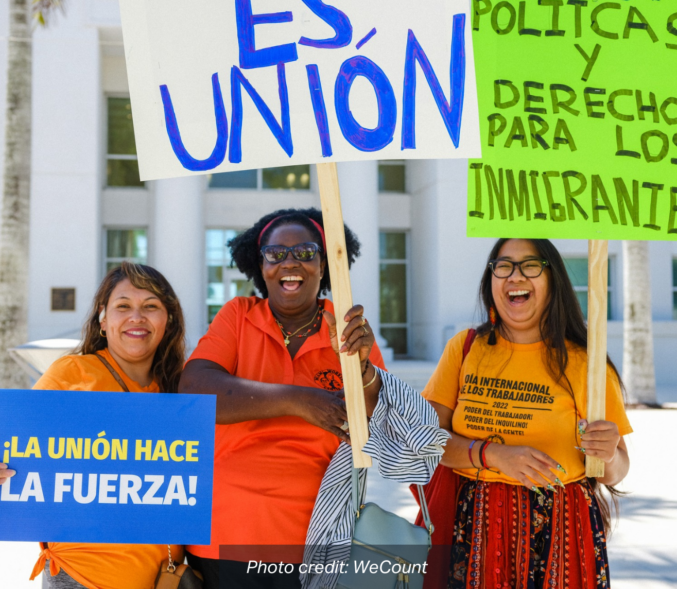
(107, 467)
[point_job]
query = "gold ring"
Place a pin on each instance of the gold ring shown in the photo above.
(366, 331)
(364, 321)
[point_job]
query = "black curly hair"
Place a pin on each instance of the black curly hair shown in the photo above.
(246, 251)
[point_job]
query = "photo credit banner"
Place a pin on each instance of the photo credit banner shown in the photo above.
(578, 120)
(220, 86)
(107, 467)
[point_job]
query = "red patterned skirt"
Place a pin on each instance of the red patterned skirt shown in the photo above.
(506, 536)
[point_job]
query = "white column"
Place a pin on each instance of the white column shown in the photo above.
(65, 226)
(446, 265)
(358, 182)
(178, 237)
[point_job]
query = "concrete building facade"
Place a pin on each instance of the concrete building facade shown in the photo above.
(418, 275)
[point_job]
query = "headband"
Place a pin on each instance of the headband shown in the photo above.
(317, 226)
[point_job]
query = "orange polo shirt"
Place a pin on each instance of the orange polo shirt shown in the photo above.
(99, 566)
(505, 393)
(267, 472)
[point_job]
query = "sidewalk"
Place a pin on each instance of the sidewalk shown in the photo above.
(642, 549)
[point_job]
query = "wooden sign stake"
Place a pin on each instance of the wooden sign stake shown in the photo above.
(598, 279)
(337, 259)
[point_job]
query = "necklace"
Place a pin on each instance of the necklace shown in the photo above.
(288, 334)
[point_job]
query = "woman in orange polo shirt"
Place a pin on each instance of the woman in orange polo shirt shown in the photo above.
(133, 341)
(272, 362)
(515, 400)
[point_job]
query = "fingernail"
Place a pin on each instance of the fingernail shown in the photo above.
(343, 349)
(551, 488)
(560, 467)
(560, 483)
(580, 449)
(536, 490)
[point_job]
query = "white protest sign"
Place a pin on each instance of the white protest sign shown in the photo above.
(219, 86)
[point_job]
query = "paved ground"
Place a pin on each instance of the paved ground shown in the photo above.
(643, 548)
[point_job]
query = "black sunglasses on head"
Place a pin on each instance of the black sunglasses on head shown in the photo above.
(303, 252)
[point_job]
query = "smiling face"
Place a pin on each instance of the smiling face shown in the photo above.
(521, 302)
(293, 286)
(134, 323)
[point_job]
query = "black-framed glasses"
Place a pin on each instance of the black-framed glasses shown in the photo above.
(531, 268)
(303, 252)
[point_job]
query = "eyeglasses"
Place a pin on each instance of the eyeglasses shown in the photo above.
(531, 268)
(303, 252)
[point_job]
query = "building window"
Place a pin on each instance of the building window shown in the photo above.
(674, 289)
(577, 268)
(391, 176)
(224, 282)
(285, 178)
(129, 245)
(122, 166)
(393, 290)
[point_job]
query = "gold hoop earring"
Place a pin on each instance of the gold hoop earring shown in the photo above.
(102, 333)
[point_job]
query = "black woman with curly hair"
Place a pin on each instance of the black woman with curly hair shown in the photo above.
(273, 363)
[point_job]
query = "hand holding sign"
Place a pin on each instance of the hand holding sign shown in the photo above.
(5, 473)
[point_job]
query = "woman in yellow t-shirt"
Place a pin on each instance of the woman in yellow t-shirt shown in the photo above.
(133, 341)
(513, 394)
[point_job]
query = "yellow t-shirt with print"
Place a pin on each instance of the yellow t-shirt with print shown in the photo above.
(505, 392)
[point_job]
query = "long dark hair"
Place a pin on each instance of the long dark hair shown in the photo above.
(246, 251)
(170, 354)
(562, 322)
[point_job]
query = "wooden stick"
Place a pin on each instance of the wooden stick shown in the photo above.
(343, 301)
(598, 279)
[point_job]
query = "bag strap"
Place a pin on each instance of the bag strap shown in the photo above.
(419, 488)
(114, 372)
(171, 567)
(469, 339)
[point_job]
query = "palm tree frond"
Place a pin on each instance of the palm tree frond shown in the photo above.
(43, 8)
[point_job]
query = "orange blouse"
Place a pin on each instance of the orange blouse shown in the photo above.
(99, 566)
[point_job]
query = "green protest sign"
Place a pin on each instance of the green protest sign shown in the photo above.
(578, 119)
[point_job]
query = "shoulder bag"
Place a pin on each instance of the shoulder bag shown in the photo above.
(177, 576)
(387, 552)
(441, 493)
